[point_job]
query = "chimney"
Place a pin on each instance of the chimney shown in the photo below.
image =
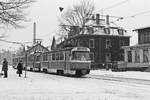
(34, 33)
(97, 19)
(107, 19)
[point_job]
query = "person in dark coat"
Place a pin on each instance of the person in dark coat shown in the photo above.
(19, 68)
(5, 68)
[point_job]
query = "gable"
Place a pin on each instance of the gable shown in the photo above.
(37, 48)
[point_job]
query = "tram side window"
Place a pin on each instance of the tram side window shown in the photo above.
(53, 56)
(57, 56)
(61, 56)
(38, 58)
(45, 57)
(50, 57)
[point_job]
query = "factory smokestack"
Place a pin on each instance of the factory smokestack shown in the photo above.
(34, 33)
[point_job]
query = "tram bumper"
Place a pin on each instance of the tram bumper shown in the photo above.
(75, 65)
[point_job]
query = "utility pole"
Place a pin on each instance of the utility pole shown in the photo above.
(25, 60)
(25, 65)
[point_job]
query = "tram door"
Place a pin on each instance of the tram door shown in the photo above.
(67, 61)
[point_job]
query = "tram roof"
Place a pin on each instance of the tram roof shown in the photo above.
(70, 48)
(81, 49)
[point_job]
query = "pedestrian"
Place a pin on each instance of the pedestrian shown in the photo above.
(19, 68)
(5, 68)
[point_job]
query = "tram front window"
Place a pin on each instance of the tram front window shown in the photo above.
(82, 56)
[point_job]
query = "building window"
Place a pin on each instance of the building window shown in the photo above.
(120, 31)
(91, 43)
(122, 43)
(108, 57)
(142, 38)
(107, 30)
(108, 43)
(92, 56)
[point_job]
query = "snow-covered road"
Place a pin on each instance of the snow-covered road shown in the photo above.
(39, 86)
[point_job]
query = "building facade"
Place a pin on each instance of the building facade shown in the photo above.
(138, 56)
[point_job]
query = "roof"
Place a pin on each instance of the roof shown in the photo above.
(142, 28)
(137, 46)
(100, 35)
(37, 48)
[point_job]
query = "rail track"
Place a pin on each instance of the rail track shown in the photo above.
(119, 79)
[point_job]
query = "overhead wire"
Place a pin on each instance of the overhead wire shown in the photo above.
(132, 16)
(13, 42)
(115, 5)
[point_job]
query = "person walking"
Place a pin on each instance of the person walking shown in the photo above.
(19, 68)
(5, 68)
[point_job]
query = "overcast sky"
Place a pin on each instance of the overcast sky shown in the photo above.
(46, 13)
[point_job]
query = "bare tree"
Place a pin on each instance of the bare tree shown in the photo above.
(76, 17)
(12, 12)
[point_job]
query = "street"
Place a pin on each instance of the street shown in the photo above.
(40, 86)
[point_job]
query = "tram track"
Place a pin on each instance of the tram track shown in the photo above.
(119, 79)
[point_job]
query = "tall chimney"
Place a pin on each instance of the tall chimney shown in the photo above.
(34, 33)
(107, 19)
(97, 19)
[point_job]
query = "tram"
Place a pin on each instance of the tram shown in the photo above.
(16, 60)
(73, 61)
(69, 61)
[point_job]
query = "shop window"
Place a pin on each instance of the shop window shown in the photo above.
(145, 56)
(129, 56)
(137, 56)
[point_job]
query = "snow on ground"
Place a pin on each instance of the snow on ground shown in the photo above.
(39, 86)
(127, 74)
